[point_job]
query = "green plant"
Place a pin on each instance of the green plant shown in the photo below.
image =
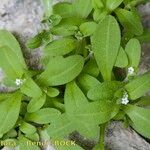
(90, 75)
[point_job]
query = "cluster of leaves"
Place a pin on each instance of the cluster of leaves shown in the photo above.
(88, 47)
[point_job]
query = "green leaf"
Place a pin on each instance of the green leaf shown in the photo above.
(52, 92)
(36, 103)
(131, 4)
(10, 63)
(95, 113)
(56, 102)
(126, 1)
(64, 30)
(86, 82)
(4, 96)
(97, 4)
(99, 14)
(112, 5)
(82, 8)
(9, 110)
(26, 144)
(130, 21)
(140, 118)
(80, 115)
(43, 116)
(53, 20)
(105, 44)
(67, 123)
(144, 101)
(91, 68)
(30, 88)
(10, 134)
(60, 47)
(34, 42)
(64, 9)
(104, 91)
(27, 128)
(7, 39)
(33, 137)
(133, 50)
(76, 21)
(62, 127)
(67, 26)
(122, 59)
(145, 37)
(88, 28)
(74, 97)
(48, 7)
(138, 86)
(61, 70)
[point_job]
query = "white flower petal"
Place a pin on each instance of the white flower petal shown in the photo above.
(130, 71)
(18, 82)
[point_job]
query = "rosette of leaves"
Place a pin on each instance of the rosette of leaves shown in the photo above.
(85, 76)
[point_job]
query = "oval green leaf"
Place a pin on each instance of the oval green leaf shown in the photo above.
(113, 4)
(138, 86)
(52, 92)
(64, 9)
(27, 128)
(86, 82)
(82, 8)
(61, 70)
(7, 39)
(105, 91)
(91, 68)
(122, 59)
(30, 88)
(130, 21)
(43, 116)
(133, 50)
(105, 45)
(140, 118)
(9, 110)
(36, 103)
(60, 47)
(88, 28)
(34, 42)
(10, 63)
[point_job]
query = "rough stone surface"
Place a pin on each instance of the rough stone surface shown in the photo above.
(120, 138)
(22, 17)
(145, 60)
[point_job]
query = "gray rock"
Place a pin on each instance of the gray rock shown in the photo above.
(120, 138)
(145, 60)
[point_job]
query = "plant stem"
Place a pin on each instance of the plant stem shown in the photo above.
(102, 136)
(48, 7)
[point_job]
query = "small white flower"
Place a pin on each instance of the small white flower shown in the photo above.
(130, 71)
(124, 99)
(18, 82)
